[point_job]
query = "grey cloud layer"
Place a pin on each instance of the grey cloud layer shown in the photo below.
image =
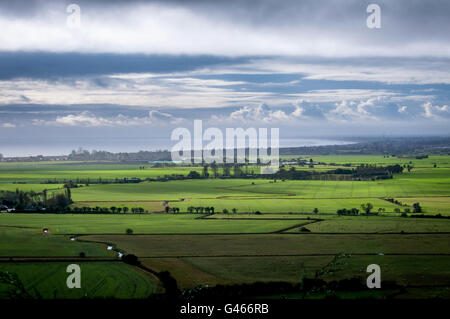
(294, 28)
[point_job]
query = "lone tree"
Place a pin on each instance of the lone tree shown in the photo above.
(129, 231)
(316, 210)
(417, 208)
(205, 171)
(215, 169)
(367, 207)
(194, 175)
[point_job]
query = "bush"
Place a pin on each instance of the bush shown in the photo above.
(129, 231)
(169, 283)
(82, 254)
(131, 259)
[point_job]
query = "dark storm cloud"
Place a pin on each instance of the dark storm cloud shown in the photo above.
(411, 23)
(47, 65)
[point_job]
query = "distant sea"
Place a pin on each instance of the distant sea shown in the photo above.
(55, 146)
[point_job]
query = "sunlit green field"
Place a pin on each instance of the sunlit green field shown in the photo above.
(440, 160)
(228, 248)
(32, 242)
(426, 184)
(145, 223)
(42, 172)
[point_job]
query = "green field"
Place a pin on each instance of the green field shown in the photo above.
(99, 280)
(221, 259)
(241, 247)
(141, 224)
(424, 183)
(42, 172)
(32, 242)
(378, 224)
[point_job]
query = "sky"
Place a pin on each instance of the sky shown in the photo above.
(127, 73)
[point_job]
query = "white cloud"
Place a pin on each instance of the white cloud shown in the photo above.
(253, 114)
(83, 119)
(88, 119)
(434, 111)
(361, 108)
(7, 125)
(298, 112)
(402, 109)
(330, 96)
(149, 92)
(350, 110)
(383, 70)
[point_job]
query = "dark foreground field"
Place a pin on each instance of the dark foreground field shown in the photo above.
(227, 255)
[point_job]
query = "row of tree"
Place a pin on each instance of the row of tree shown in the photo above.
(199, 210)
(29, 201)
(367, 208)
(106, 210)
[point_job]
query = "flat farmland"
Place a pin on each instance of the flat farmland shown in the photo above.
(29, 187)
(275, 244)
(240, 247)
(145, 223)
(411, 271)
(378, 224)
(195, 271)
(412, 260)
(42, 172)
(439, 160)
(32, 242)
(437, 205)
(47, 280)
(425, 183)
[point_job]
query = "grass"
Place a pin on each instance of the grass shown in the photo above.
(440, 160)
(98, 280)
(211, 257)
(426, 183)
(274, 244)
(434, 205)
(32, 242)
(219, 259)
(374, 224)
(42, 172)
(144, 224)
(191, 272)
(280, 197)
(29, 187)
